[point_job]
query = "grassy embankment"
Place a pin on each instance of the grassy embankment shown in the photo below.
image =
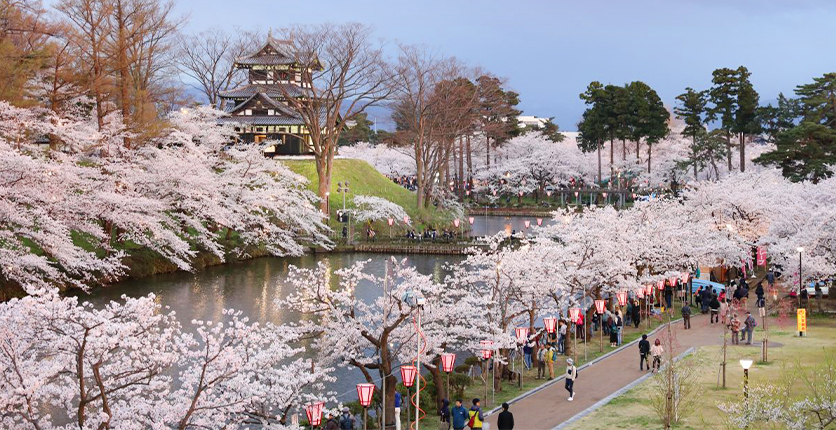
(633, 410)
(363, 179)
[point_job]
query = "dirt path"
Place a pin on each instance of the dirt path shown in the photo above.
(549, 407)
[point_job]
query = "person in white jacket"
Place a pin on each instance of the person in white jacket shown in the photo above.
(656, 351)
(571, 376)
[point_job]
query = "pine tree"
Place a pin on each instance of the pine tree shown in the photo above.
(724, 95)
(746, 116)
(649, 118)
(692, 110)
(593, 126)
(778, 119)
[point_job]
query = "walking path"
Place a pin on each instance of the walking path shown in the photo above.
(548, 407)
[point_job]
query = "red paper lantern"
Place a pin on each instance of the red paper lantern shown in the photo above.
(494, 192)
(605, 194)
(684, 277)
(673, 281)
(549, 193)
(470, 220)
(648, 289)
(622, 298)
(640, 292)
(365, 393)
(408, 375)
(487, 348)
(314, 413)
(522, 334)
(574, 313)
(539, 222)
(661, 285)
(447, 362)
(456, 222)
(551, 324)
(406, 219)
(599, 305)
(391, 221)
(527, 223)
(467, 192)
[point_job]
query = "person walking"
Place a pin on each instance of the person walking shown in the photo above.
(734, 326)
(705, 299)
(527, 350)
(331, 422)
(770, 278)
(613, 333)
(541, 361)
(571, 376)
(636, 317)
(819, 295)
(714, 305)
(476, 416)
(619, 322)
(668, 295)
(628, 313)
(749, 325)
(724, 311)
(762, 307)
(561, 340)
(656, 351)
(759, 290)
(686, 316)
(444, 415)
(346, 420)
(459, 416)
(505, 421)
(644, 350)
(398, 401)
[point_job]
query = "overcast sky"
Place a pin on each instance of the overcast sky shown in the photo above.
(550, 50)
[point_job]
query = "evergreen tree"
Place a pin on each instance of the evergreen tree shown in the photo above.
(691, 109)
(360, 132)
(724, 95)
(778, 119)
(497, 112)
(746, 121)
(552, 131)
(808, 151)
(593, 125)
(649, 118)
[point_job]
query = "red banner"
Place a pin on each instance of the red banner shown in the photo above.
(761, 256)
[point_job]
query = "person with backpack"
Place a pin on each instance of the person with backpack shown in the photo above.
(505, 421)
(459, 415)
(686, 317)
(613, 333)
(444, 415)
(644, 350)
(571, 376)
(475, 414)
(656, 351)
(749, 325)
(346, 420)
(551, 355)
(541, 361)
(331, 422)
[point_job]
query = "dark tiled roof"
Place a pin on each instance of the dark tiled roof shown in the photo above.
(261, 120)
(273, 90)
(270, 60)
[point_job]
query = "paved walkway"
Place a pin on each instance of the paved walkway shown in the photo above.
(549, 407)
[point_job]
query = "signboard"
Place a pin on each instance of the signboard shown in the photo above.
(761, 256)
(704, 273)
(802, 320)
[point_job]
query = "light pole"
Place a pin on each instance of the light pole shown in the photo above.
(800, 250)
(343, 189)
(364, 393)
(746, 364)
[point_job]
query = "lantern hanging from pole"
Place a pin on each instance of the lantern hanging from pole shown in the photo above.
(550, 323)
(684, 277)
(487, 348)
(406, 219)
(640, 292)
(574, 313)
(456, 222)
(467, 192)
(673, 280)
(527, 223)
(522, 334)
(391, 221)
(648, 289)
(599, 305)
(494, 193)
(365, 392)
(447, 361)
(622, 298)
(408, 375)
(539, 222)
(471, 219)
(314, 413)
(661, 285)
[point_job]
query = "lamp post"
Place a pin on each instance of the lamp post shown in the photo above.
(470, 220)
(573, 315)
(365, 393)
(457, 223)
(390, 221)
(522, 339)
(599, 306)
(328, 204)
(746, 364)
(343, 189)
(447, 362)
(800, 250)
(487, 351)
(314, 413)
(408, 378)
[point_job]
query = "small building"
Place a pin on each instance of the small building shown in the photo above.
(260, 108)
(526, 121)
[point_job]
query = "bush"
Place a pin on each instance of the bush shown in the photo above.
(458, 383)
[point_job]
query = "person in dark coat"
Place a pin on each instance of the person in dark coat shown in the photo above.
(459, 415)
(636, 317)
(759, 291)
(444, 414)
(613, 333)
(715, 309)
(644, 350)
(505, 421)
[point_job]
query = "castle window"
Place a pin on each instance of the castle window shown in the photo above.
(270, 112)
(248, 112)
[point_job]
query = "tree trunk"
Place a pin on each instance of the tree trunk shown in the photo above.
(460, 184)
(623, 149)
(440, 386)
(649, 146)
(612, 157)
(742, 152)
(600, 179)
(323, 173)
(487, 152)
(469, 161)
(728, 150)
(638, 147)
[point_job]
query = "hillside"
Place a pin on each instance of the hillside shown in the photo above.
(363, 179)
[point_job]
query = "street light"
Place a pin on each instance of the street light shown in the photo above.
(746, 364)
(365, 392)
(448, 360)
(408, 378)
(314, 413)
(800, 250)
(487, 351)
(390, 221)
(522, 339)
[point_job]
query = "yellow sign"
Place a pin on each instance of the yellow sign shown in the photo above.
(802, 320)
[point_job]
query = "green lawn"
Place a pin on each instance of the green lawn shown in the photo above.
(363, 179)
(632, 409)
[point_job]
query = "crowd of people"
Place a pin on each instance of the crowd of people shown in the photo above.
(410, 182)
(430, 234)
